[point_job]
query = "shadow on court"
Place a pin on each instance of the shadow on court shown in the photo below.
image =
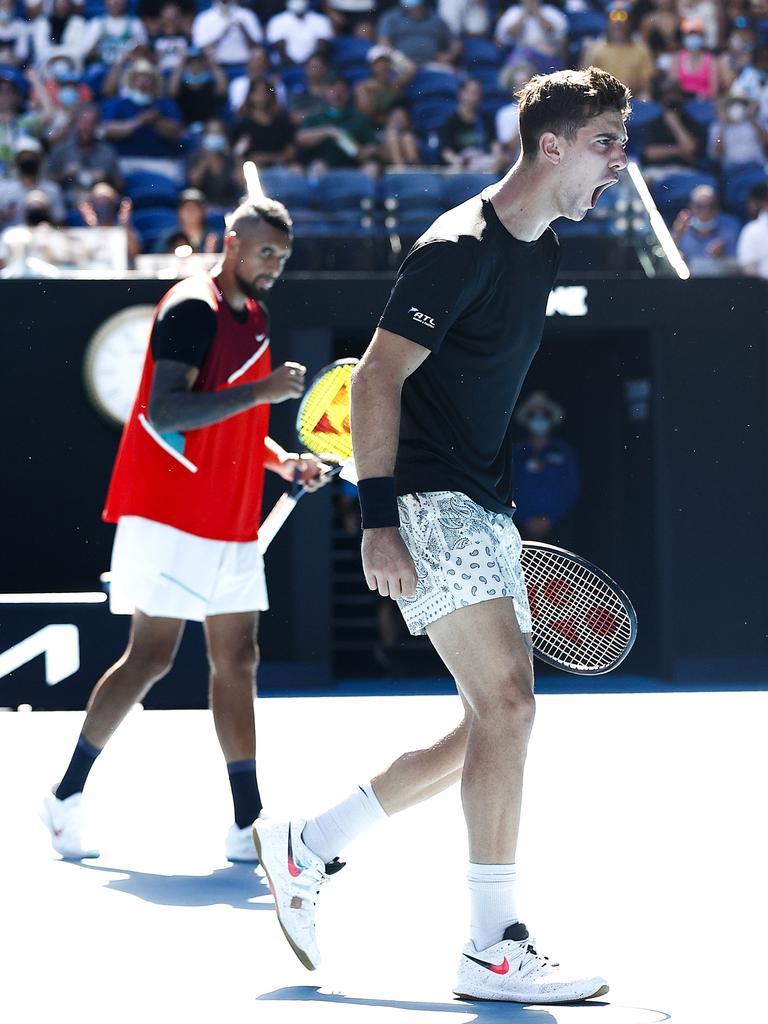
(233, 886)
(484, 1013)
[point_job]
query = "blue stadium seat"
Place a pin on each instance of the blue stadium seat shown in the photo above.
(346, 50)
(477, 53)
(673, 193)
(737, 181)
(289, 187)
(294, 79)
(411, 190)
(701, 112)
(154, 225)
(494, 100)
(487, 76)
(460, 186)
(148, 190)
(357, 73)
(585, 25)
(342, 190)
(433, 84)
(94, 76)
(429, 115)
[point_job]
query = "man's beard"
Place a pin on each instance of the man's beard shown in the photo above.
(249, 288)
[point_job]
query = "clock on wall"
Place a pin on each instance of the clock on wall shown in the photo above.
(114, 360)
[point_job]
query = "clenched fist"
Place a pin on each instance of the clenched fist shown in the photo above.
(287, 381)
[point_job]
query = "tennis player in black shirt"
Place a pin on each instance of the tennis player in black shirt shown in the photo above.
(432, 404)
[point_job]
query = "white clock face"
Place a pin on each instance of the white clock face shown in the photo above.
(114, 361)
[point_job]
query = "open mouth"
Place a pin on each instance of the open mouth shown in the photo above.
(599, 191)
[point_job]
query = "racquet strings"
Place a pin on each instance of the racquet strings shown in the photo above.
(579, 620)
(322, 423)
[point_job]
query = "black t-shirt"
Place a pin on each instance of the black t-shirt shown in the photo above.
(185, 331)
(476, 297)
(265, 138)
(457, 134)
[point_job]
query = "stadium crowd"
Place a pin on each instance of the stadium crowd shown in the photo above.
(141, 112)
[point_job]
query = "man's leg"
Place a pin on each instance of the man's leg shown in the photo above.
(483, 649)
(150, 652)
(151, 649)
(233, 654)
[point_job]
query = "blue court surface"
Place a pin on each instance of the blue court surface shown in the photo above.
(643, 857)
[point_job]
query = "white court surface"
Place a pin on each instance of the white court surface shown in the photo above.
(643, 856)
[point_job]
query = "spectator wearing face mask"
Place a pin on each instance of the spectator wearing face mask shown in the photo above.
(63, 91)
(753, 82)
(14, 36)
(28, 178)
(707, 12)
(694, 68)
(212, 169)
(337, 136)
(199, 87)
(738, 54)
(737, 137)
(64, 31)
(705, 236)
(229, 31)
(545, 473)
(77, 163)
(141, 122)
(298, 32)
(103, 208)
(752, 250)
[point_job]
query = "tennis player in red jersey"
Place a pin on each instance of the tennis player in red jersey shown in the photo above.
(186, 495)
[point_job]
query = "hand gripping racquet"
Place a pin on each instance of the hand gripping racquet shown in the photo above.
(322, 428)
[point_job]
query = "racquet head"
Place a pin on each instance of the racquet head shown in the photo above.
(322, 422)
(582, 621)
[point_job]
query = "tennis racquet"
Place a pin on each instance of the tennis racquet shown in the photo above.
(322, 428)
(582, 621)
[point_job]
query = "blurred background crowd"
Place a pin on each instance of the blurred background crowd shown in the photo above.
(140, 113)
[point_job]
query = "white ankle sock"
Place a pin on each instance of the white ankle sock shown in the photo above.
(492, 902)
(330, 832)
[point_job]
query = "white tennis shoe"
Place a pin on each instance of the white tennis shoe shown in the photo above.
(295, 876)
(64, 821)
(512, 971)
(239, 848)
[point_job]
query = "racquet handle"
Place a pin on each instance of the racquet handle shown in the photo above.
(283, 507)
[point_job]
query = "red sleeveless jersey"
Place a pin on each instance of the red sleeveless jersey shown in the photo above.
(208, 481)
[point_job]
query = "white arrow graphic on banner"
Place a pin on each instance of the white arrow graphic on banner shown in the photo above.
(59, 643)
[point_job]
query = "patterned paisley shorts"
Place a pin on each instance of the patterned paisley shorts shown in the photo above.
(463, 554)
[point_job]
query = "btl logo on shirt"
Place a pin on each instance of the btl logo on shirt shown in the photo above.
(421, 318)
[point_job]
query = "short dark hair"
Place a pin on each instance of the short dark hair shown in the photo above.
(565, 101)
(252, 211)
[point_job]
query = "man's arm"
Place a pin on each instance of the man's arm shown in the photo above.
(173, 406)
(376, 388)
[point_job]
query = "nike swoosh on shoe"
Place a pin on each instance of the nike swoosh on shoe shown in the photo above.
(501, 968)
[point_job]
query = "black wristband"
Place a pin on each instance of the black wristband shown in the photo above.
(378, 502)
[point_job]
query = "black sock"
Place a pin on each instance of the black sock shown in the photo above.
(245, 792)
(79, 767)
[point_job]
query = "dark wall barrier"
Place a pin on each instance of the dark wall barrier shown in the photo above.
(665, 386)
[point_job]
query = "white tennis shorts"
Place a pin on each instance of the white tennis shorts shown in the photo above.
(463, 554)
(168, 573)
